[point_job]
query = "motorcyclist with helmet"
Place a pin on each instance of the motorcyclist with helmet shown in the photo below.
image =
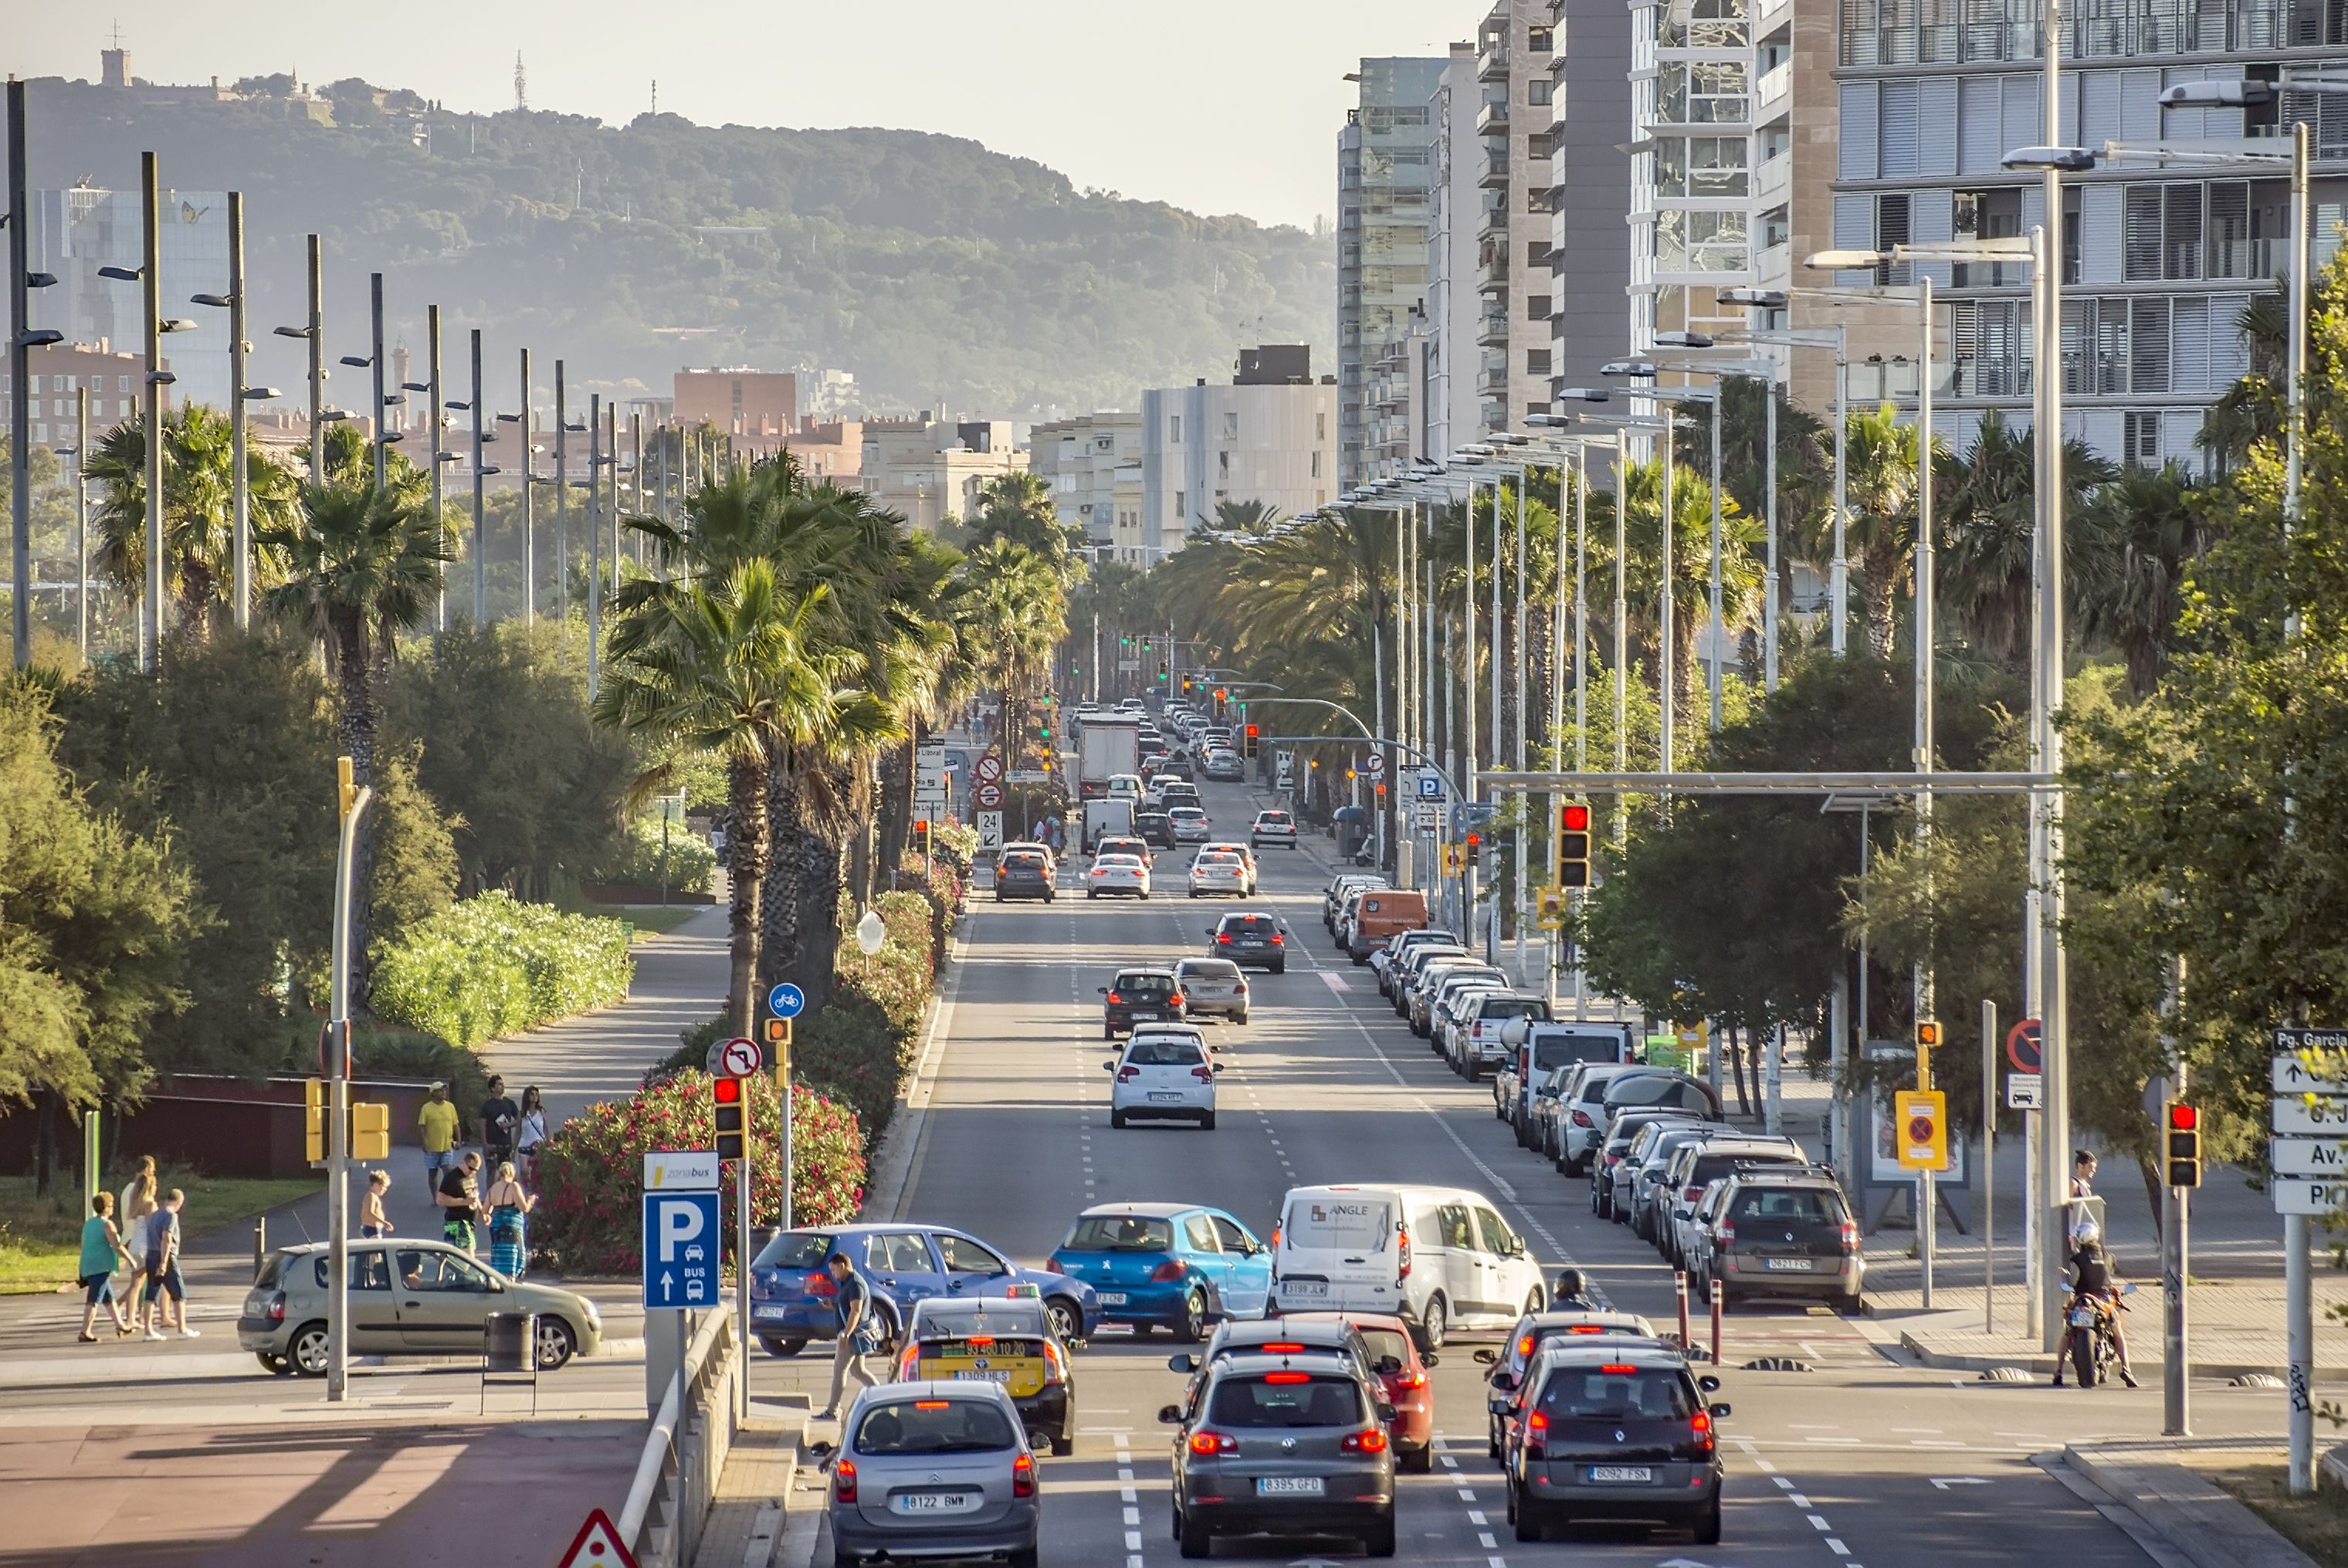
(2091, 1280)
(1572, 1293)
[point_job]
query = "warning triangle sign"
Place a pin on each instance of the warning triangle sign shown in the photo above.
(597, 1546)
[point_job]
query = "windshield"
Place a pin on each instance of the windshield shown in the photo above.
(1119, 1233)
(934, 1426)
(1287, 1400)
(1616, 1394)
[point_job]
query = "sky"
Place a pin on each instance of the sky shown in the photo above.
(1218, 106)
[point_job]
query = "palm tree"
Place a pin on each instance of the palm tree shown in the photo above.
(1741, 569)
(1987, 520)
(2251, 410)
(199, 523)
(733, 668)
(1880, 489)
(1240, 517)
(2139, 533)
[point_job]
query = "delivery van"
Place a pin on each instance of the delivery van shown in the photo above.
(1381, 913)
(1438, 1257)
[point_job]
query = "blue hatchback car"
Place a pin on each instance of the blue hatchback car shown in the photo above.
(1175, 1266)
(793, 1298)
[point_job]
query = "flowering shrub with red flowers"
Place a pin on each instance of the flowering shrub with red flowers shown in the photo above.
(944, 886)
(591, 1173)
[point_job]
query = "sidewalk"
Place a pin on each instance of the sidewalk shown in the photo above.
(2158, 1490)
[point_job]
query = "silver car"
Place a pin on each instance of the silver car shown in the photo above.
(1212, 986)
(407, 1297)
(934, 1470)
(1283, 1445)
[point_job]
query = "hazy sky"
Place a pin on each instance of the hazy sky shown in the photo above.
(1221, 105)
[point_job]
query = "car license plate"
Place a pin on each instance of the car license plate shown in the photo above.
(770, 1314)
(1158, 1097)
(1288, 1486)
(1619, 1473)
(990, 1375)
(2083, 1317)
(1798, 1265)
(1305, 1289)
(1113, 1299)
(1141, 1017)
(932, 1502)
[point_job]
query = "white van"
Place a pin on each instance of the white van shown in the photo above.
(1439, 1257)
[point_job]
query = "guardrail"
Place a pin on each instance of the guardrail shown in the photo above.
(685, 1452)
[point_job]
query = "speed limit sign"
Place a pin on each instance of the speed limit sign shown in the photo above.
(737, 1057)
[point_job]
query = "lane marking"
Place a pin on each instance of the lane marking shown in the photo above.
(1336, 981)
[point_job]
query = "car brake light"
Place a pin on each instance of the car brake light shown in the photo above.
(1275, 939)
(1536, 1436)
(820, 1283)
(979, 1341)
(1370, 1440)
(1849, 1237)
(1538, 1423)
(1727, 1231)
(1411, 1380)
(1281, 1347)
(1204, 1074)
(1114, 1000)
(1586, 1328)
(1167, 1272)
(1206, 1442)
(1694, 1194)
(1022, 1476)
(1582, 1119)
(933, 1405)
(1055, 1369)
(1402, 1248)
(1223, 936)
(1700, 1432)
(843, 1481)
(277, 1308)
(1127, 1074)
(1619, 1369)
(1288, 1376)
(1525, 1344)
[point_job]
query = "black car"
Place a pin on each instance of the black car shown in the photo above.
(1614, 1430)
(1174, 795)
(1155, 828)
(1140, 996)
(1250, 939)
(1024, 873)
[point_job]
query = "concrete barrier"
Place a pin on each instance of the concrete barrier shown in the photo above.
(684, 1452)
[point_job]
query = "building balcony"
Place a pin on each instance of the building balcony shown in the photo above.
(1493, 383)
(1492, 331)
(1772, 180)
(1494, 226)
(1495, 176)
(1493, 119)
(1493, 278)
(1492, 65)
(1773, 93)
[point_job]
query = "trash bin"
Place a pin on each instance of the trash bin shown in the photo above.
(506, 1342)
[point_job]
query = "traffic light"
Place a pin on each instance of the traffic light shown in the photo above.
(2184, 1149)
(1927, 1040)
(1573, 844)
(1044, 729)
(313, 1118)
(370, 1132)
(725, 1099)
(1161, 669)
(1222, 696)
(1247, 741)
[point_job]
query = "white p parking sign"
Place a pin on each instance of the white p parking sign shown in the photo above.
(681, 1247)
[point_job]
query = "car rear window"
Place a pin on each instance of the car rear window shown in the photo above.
(1272, 819)
(1144, 984)
(934, 1426)
(1131, 862)
(1711, 1168)
(1253, 925)
(1616, 1394)
(1119, 1233)
(1385, 1342)
(1286, 1399)
(1350, 1224)
(1209, 969)
(797, 1250)
(1163, 1051)
(1789, 1203)
(1511, 1008)
(1023, 861)
(1556, 1050)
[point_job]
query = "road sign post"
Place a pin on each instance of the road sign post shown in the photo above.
(352, 799)
(2310, 1077)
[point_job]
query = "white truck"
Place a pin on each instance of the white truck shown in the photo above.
(1110, 817)
(1108, 744)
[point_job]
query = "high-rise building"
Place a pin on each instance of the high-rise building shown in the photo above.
(759, 408)
(1512, 234)
(1269, 437)
(2159, 261)
(1692, 194)
(76, 232)
(1448, 409)
(1093, 463)
(1590, 186)
(1382, 158)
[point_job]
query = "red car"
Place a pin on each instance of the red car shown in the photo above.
(1405, 1387)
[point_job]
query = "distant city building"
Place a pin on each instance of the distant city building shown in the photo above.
(59, 372)
(1384, 158)
(1590, 188)
(929, 470)
(1512, 233)
(829, 453)
(1270, 436)
(1448, 414)
(825, 392)
(1093, 463)
(76, 232)
(759, 408)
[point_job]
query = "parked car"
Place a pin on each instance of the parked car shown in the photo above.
(1622, 1145)
(1614, 1429)
(1635, 1202)
(1380, 915)
(1478, 1045)
(1581, 1112)
(1333, 896)
(407, 1298)
(1175, 1266)
(794, 1299)
(1283, 1445)
(1779, 1231)
(1163, 1072)
(1402, 946)
(1697, 1165)
(1433, 1256)
(1010, 1343)
(1532, 1047)
(932, 1468)
(1436, 981)
(1212, 987)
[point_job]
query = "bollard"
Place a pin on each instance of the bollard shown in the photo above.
(259, 1245)
(1718, 1298)
(1679, 1285)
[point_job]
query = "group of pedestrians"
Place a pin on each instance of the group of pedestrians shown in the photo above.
(511, 1132)
(141, 1232)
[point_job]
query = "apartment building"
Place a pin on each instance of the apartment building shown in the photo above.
(59, 372)
(1093, 463)
(929, 470)
(759, 408)
(1270, 436)
(1513, 282)
(1448, 409)
(77, 230)
(1590, 186)
(1383, 156)
(2159, 261)
(1692, 204)
(829, 452)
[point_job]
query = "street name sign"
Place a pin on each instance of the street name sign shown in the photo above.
(2311, 1157)
(2326, 1117)
(2298, 1195)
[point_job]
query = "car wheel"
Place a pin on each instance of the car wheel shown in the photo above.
(1090, 894)
(1063, 1445)
(1706, 1525)
(556, 1344)
(1193, 1326)
(1531, 1520)
(308, 1350)
(1378, 1540)
(1191, 1537)
(1280, 969)
(776, 1344)
(1241, 1018)
(1535, 1303)
(1117, 1118)
(1415, 1461)
(1433, 1324)
(1851, 1306)
(1067, 1318)
(1207, 1121)
(1108, 1031)
(277, 1364)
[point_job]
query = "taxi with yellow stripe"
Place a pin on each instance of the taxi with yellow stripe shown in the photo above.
(1008, 1343)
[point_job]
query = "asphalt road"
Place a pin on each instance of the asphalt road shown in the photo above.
(1861, 1460)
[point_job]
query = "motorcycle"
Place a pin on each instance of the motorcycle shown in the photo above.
(2089, 1340)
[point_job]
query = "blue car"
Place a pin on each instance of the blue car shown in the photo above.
(1174, 1265)
(793, 1298)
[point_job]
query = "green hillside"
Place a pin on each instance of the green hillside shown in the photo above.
(924, 264)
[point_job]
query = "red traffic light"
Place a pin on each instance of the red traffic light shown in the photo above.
(922, 827)
(1474, 840)
(1220, 694)
(725, 1090)
(1250, 732)
(1574, 818)
(2183, 1118)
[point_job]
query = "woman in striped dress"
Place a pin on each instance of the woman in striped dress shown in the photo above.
(508, 1208)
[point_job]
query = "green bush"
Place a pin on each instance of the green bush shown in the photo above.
(591, 1173)
(857, 1052)
(637, 860)
(492, 966)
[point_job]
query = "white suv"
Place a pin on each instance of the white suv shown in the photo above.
(1163, 1073)
(1439, 1257)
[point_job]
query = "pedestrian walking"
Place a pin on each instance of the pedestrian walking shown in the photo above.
(130, 1211)
(532, 1134)
(440, 1128)
(859, 1331)
(161, 1237)
(508, 1205)
(501, 1119)
(373, 1220)
(459, 1200)
(101, 1247)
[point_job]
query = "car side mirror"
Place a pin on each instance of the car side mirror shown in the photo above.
(1487, 1357)
(1108, 1066)
(1387, 1366)
(1708, 1383)
(1216, 1066)
(1103, 990)
(1516, 1246)
(821, 1450)
(1386, 1413)
(1210, 930)
(1721, 1411)
(1504, 1382)
(1181, 1364)
(1430, 1359)
(1171, 1414)
(1682, 1214)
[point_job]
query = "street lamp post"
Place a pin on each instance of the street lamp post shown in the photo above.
(240, 488)
(20, 359)
(594, 539)
(480, 551)
(440, 456)
(317, 333)
(151, 276)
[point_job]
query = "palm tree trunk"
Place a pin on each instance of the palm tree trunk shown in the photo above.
(779, 957)
(745, 873)
(361, 725)
(1877, 568)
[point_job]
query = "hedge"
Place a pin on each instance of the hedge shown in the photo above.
(492, 966)
(636, 862)
(589, 1217)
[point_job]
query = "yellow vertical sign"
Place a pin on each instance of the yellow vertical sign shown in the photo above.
(1920, 1124)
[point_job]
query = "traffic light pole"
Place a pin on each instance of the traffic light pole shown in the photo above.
(2175, 1214)
(352, 799)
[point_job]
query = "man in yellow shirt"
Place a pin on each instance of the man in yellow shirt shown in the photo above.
(439, 1128)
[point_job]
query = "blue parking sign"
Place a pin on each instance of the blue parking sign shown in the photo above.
(680, 1246)
(1430, 784)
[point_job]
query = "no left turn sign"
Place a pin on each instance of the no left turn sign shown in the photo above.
(737, 1057)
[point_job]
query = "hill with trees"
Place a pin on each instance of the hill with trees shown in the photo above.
(925, 264)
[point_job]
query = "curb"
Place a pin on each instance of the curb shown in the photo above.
(2180, 1520)
(901, 1145)
(2039, 1361)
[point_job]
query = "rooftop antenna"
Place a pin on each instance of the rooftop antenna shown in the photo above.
(522, 84)
(655, 95)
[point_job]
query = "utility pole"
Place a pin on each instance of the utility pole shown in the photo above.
(2176, 1216)
(351, 800)
(20, 360)
(151, 274)
(374, 364)
(1925, 639)
(81, 521)
(316, 331)
(561, 502)
(239, 485)
(594, 539)
(611, 459)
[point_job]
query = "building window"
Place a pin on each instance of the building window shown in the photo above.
(1223, 465)
(1891, 220)
(1700, 166)
(1317, 462)
(1540, 40)
(1181, 505)
(1537, 307)
(2140, 440)
(1231, 425)
(1538, 90)
(1321, 425)
(1704, 25)
(1537, 362)
(1176, 439)
(1700, 92)
(1701, 242)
